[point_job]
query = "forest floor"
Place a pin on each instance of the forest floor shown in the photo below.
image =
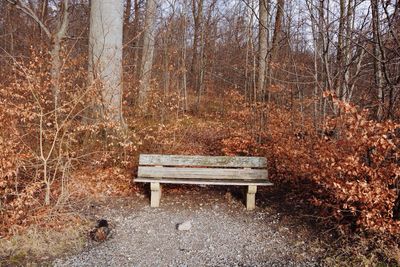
(284, 229)
(222, 233)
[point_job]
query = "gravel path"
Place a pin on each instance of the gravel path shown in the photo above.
(222, 233)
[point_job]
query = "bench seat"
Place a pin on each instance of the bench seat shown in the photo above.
(210, 170)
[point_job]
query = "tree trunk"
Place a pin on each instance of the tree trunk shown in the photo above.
(55, 53)
(183, 64)
(377, 57)
(197, 10)
(262, 45)
(136, 41)
(276, 38)
(44, 10)
(127, 16)
(105, 55)
(339, 52)
(278, 28)
(148, 51)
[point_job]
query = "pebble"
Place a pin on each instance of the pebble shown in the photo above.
(185, 226)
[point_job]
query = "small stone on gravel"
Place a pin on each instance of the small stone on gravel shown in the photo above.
(185, 226)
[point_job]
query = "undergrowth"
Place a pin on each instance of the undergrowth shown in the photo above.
(347, 169)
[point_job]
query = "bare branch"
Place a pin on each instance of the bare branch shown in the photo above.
(28, 11)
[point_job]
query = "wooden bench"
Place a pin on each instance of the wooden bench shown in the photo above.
(176, 169)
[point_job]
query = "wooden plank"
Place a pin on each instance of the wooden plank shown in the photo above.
(202, 173)
(205, 161)
(204, 181)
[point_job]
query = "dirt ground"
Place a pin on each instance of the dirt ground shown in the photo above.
(222, 233)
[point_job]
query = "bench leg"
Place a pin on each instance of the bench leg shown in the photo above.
(251, 197)
(155, 194)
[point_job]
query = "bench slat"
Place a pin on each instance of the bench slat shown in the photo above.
(205, 161)
(203, 181)
(201, 173)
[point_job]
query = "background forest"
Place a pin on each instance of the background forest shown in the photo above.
(313, 85)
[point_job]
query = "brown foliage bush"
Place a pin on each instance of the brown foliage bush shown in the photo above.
(41, 144)
(350, 170)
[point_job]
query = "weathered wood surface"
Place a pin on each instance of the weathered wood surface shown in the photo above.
(155, 197)
(175, 169)
(251, 197)
(202, 173)
(203, 161)
(203, 181)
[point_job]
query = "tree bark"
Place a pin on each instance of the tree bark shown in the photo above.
(339, 52)
(197, 10)
(377, 57)
(278, 28)
(56, 53)
(148, 51)
(263, 33)
(136, 41)
(127, 16)
(105, 56)
(276, 38)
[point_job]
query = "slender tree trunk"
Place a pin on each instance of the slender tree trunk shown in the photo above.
(148, 51)
(166, 74)
(127, 16)
(262, 45)
(346, 94)
(56, 61)
(200, 70)
(10, 15)
(339, 52)
(377, 57)
(277, 29)
(44, 10)
(136, 42)
(276, 38)
(197, 10)
(183, 64)
(316, 96)
(249, 50)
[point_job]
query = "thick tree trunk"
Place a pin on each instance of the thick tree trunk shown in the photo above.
(105, 55)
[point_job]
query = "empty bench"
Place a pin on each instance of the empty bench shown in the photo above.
(210, 170)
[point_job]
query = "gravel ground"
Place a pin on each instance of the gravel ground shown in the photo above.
(222, 233)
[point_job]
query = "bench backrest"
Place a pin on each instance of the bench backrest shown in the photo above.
(202, 167)
(202, 161)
